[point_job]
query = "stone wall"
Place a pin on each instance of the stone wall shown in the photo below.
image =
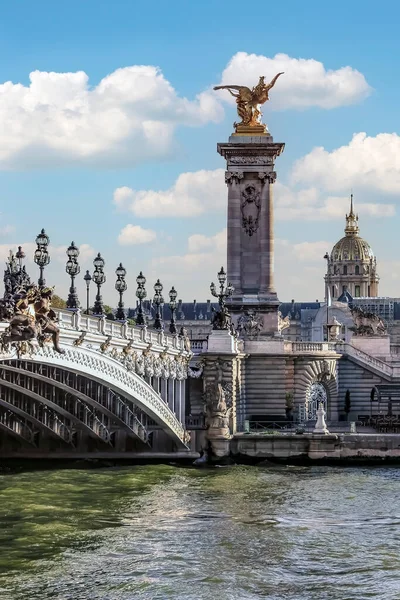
(360, 382)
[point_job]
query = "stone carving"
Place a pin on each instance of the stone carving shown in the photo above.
(221, 319)
(250, 324)
(249, 100)
(197, 370)
(233, 176)
(250, 160)
(216, 410)
(334, 329)
(183, 333)
(366, 323)
(250, 207)
(271, 176)
(283, 323)
(31, 316)
(106, 344)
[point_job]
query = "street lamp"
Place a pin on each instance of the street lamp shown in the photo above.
(73, 269)
(158, 300)
(121, 287)
(172, 305)
(141, 295)
(41, 256)
(224, 292)
(326, 257)
(88, 278)
(20, 255)
(99, 278)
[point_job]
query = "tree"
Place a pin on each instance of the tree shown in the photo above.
(347, 403)
(57, 302)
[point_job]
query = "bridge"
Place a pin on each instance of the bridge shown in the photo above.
(115, 388)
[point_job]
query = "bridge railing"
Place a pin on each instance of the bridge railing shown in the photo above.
(100, 325)
(310, 347)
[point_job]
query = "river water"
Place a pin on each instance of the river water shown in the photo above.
(242, 533)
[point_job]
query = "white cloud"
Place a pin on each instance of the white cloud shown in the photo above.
(135, 234)
(191, 195)
(305, 83)
(366, 162)
(217, 242)
(309, 204)
(130, 116)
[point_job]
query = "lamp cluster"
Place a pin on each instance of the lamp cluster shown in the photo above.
(42, 259)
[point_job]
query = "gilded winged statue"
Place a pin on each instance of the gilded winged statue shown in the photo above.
(249, 100)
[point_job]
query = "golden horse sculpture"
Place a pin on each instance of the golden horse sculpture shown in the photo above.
(249, 102)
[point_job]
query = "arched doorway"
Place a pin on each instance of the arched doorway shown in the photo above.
(316, 395)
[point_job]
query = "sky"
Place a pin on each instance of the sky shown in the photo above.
(109, 127)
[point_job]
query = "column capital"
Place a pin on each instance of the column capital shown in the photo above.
(233, 176)
(267, 176)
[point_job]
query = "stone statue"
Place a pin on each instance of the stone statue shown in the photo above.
(283, 323)
(221, 319)
(249, 324)
(183, 333)
(249, 100)
(334, 328)
(217, 411)
(366, 323)
(32, 317)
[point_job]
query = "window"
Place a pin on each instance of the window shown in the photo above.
(345, 270)
(357, 291)
(357, 270)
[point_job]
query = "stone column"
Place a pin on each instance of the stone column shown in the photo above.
(171, 394)
(232, 179)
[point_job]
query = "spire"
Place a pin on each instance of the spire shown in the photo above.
(351, 228)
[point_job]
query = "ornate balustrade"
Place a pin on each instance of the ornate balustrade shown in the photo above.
(310, 347)
(380, 365)
(198, 346)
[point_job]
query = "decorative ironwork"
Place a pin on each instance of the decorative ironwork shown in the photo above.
(41, 256)
(141, 295)
(172, 305)
(121, 287)
(73, 269)
(88, 278)
(158, 300)
(99, 278)
(221, 319)
(316, 395)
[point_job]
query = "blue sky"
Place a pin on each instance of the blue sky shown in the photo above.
(65, 182)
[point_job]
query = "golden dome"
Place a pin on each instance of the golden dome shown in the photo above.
(352, 246)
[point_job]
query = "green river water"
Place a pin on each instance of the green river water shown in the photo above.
(158, 532)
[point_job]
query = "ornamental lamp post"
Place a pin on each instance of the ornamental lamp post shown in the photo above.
(172, 305)
(87, 278)
(73, 269)
(121, 287)
(158, 300)
(141, 295)
(20, 255)
(99, 278)
(41, 256)
(224, 292)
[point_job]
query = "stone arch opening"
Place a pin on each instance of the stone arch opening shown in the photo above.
(317, 394)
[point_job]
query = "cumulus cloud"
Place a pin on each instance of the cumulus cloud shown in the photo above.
(191, 195)
(311, 204)
(135, 234)
(366, 162)
(305, 83)
(130, 116)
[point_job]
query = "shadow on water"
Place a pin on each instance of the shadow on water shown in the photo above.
(158, 531)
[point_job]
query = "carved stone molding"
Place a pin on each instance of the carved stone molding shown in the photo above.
(267, 177)
(233, 176)
(250, 160)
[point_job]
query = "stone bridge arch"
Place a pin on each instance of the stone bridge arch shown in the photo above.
(131, 390)
(309, 371)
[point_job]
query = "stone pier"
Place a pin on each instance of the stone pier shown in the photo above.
(250, 263)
